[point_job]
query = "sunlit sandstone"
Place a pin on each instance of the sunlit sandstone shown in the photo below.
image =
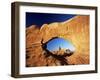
(76, 30)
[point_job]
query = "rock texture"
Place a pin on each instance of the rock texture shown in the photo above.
(76, 30)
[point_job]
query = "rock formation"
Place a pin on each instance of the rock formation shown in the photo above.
(76, 30)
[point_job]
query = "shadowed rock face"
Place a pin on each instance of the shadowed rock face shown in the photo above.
(76, 30)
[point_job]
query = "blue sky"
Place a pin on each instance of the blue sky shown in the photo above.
(54, 44)
(41, 18)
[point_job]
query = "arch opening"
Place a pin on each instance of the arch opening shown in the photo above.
(57, 44)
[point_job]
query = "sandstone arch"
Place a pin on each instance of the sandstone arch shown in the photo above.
(75, 30)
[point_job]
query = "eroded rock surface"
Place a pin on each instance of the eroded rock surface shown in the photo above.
(75, 30)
